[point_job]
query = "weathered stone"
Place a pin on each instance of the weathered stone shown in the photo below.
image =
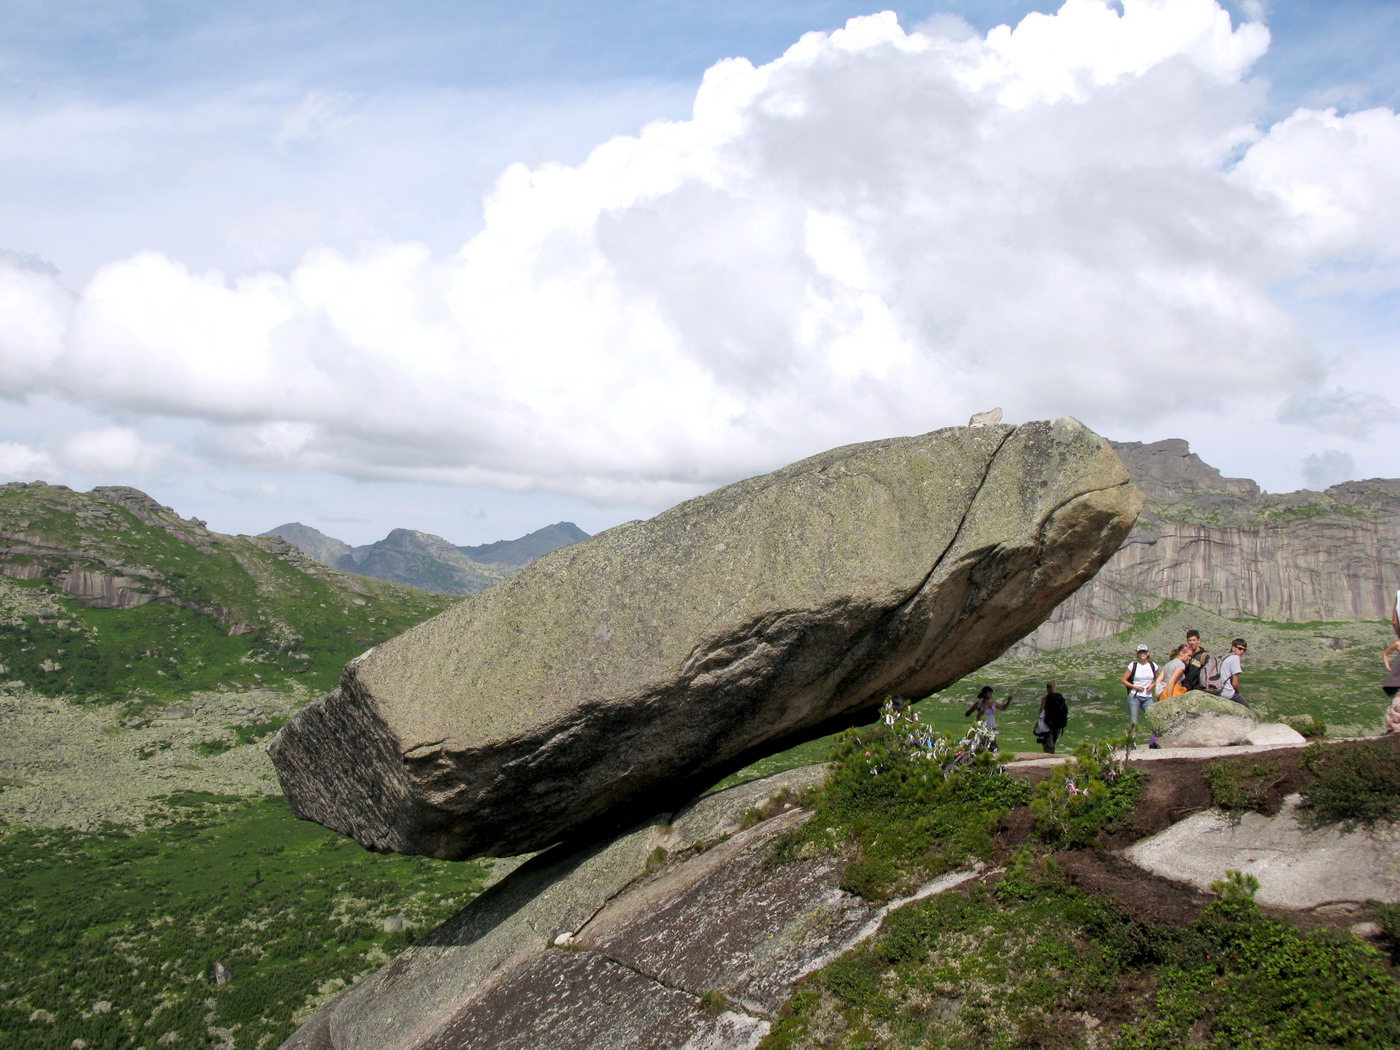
(1198, 719)
(1299, 863)
(698, 956)
(1274, 734)
(1220, 544)
(616, 676)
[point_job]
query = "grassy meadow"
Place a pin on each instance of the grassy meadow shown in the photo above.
(115, 916)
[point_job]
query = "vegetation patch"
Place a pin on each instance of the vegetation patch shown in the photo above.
(289, 911)
(1038, 963)
(907, 803)
(1242, 786)
(1359, 782)
(1091, 795)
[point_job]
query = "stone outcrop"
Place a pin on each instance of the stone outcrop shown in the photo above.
(586, 949)
(1198, 719)
(1221, 544)
(1299, 862)
(618, 675)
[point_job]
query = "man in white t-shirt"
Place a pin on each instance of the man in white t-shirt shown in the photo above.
(1230, 671)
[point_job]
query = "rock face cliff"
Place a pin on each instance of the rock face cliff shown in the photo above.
(1221, 544)
(619, 674)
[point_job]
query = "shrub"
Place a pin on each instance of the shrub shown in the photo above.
(1356, 781)
(901, 800)
(1092, 793)
(1233, 786)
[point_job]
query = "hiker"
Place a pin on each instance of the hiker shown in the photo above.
(1170, 682)
(1051, 720)
(1139, 678)
(1192, 645)
(1391, 685)
(1230, 671)
(987, 710)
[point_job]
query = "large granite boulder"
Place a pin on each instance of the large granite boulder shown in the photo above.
(1199, 719)
(619, 675)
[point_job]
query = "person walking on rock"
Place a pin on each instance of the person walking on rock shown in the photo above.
(1052, 719)
(1391, 659)
(1230, 670)
(987, 709)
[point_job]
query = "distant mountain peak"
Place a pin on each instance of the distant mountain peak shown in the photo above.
(526, 549)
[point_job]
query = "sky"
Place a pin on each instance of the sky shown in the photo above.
(475, 268)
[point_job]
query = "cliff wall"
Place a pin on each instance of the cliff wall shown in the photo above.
(1223, 545)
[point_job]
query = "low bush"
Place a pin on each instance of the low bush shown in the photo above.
(903, 803)
(1358, 781)
(1091, 794)
(1236, 786)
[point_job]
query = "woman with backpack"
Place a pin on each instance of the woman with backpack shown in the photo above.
(1052, 719)
(1139, 680)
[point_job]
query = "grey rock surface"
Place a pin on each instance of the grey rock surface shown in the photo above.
(619, 675)
(1299, 864)
(698, 955)
(1198, 719)
(1270, 733)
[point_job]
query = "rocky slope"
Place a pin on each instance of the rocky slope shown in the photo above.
(1222, 545)
(108, 594)
(699, 930)
(428, 562)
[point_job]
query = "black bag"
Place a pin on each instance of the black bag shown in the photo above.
(1056, 712)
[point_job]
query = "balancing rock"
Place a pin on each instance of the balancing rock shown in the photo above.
(622, 674)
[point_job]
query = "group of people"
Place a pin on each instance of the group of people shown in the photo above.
(1189, 666)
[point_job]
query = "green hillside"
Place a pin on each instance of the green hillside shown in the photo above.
(107, 596)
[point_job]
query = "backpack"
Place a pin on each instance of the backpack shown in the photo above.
(1211, 680)
(1056, 711)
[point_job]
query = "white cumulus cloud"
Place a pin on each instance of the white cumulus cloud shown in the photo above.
(881, 231)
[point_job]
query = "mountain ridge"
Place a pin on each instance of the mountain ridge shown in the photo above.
(109, 594)
(430, 562)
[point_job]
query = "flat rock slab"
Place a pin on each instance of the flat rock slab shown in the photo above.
(729, 922)
(1274, 733)
(618, 676)
(1298, 864)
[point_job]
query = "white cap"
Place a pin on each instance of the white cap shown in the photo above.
(1144, 649)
